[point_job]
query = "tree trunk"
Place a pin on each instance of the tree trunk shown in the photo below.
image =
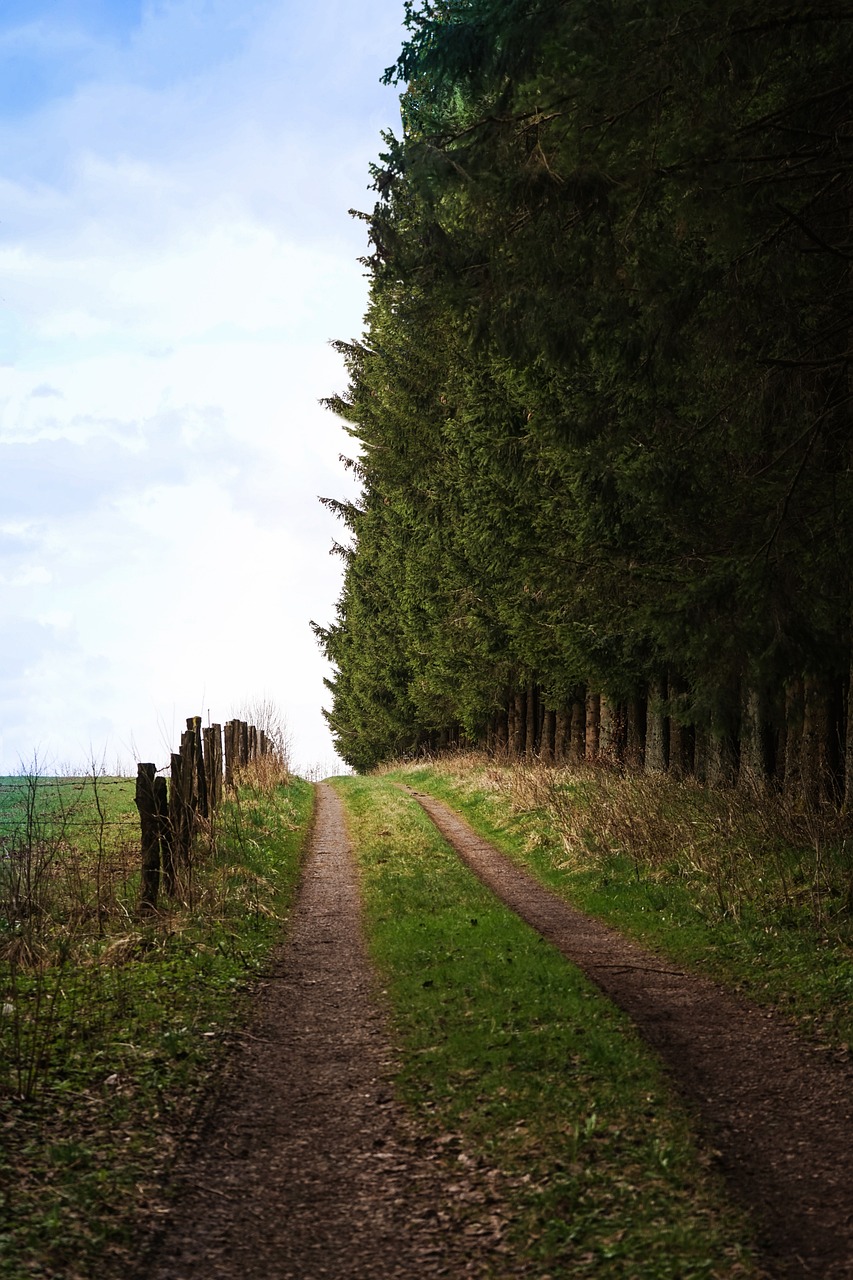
(635, 733)
(848, 745)
(530, 723)
(752, 773)
(593, 726)
(607, 729)
(720, 758)
(561, 735)
(815, 754)
(700, 752)
(577, 732)
(546, 748)
(656, 727)
(517, 707)
(677, 730)
(794, 714)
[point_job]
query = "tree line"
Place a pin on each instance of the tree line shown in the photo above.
(602, 398)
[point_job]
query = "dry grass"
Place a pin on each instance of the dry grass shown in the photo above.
(265, 773)
(735, 848)
(743, 887)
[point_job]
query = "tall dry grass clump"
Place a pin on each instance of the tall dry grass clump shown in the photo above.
(734, 849)
(264, 773)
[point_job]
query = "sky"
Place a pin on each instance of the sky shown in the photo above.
(176, 256)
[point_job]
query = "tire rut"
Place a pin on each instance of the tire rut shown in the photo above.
(776, 1112)
(307, 1166)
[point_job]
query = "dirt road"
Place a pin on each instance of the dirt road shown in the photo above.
(780, 1114)
(307, 1167)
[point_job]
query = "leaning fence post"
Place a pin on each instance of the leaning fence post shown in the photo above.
(150, 833)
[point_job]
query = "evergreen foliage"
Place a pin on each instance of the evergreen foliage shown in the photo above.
(603, 394)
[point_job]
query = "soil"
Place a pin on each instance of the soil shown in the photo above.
(777, 1113)
(307, 1166)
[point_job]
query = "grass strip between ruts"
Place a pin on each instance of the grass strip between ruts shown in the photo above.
(761, 948)
(508, 1046)
(136, 1028)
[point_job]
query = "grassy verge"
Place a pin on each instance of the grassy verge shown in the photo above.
(508, 1049)
(757, 897)
(112, 1024)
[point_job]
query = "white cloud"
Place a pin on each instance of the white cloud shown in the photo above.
(175, 255)
(27, 576)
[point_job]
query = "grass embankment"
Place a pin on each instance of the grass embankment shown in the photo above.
(756, 895)
(510, 1053)
(113, 1022)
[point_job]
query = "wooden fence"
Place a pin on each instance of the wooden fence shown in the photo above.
(170, 813)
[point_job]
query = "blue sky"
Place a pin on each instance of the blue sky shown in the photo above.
(175, 255)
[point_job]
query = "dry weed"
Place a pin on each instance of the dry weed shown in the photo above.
(734, 847)
(265, 773)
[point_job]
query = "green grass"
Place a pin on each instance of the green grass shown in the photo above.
(728, 888)
(510, 1052)
(112, 1028)
(47, 806)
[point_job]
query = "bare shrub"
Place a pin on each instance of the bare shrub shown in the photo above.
(265, 773)
(266, 715)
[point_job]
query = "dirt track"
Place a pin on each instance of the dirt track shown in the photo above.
(307, 1167)
(779, 1113)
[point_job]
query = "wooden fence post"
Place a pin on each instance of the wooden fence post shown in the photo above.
(213, 766)
(188, 784)
(207, 764)
(244, 743)
(199, 792)
(181, 808)
(229, 753)
(150, 830)
(164, 833)
(176, 809)
(217, 762)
